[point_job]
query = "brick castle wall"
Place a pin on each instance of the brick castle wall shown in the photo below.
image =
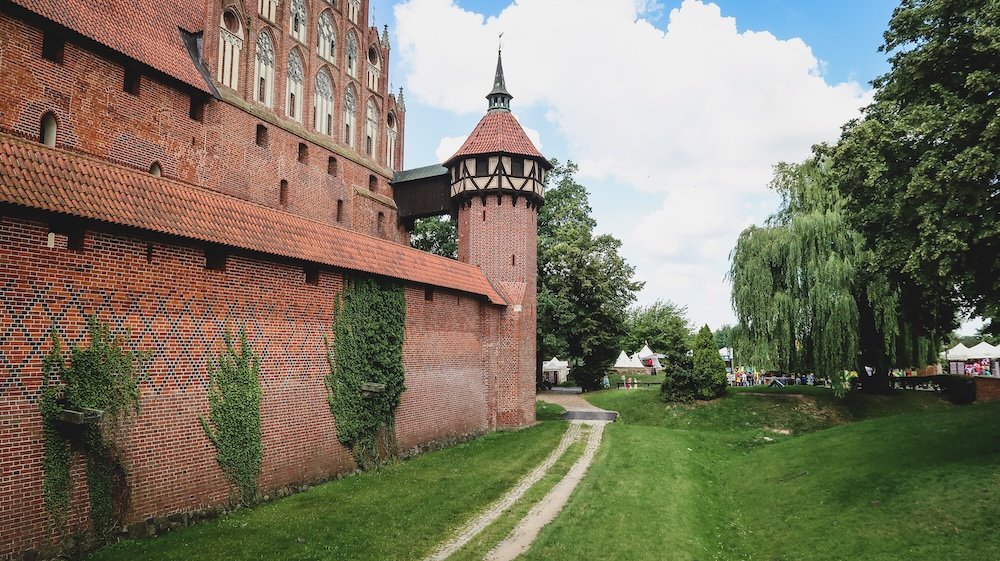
(178, 310)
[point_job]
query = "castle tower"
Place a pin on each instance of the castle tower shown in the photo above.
(497, 180)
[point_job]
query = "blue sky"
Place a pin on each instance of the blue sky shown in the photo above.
(675, 110)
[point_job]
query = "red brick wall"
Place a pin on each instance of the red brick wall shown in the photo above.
(178, 310)
(95, 116)
(987, 389)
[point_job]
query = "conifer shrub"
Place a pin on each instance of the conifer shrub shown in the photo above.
(706, 379)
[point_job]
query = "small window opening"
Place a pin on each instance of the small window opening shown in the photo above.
(369, 147)
(283, 193)
(149, 253)
(262, 90)
(484, 216)
(513, 260)
(47, 134)
(262, 136)
(482, 165)
(155, 170)
(380, 225)
(303, 152)
(74, 239)
(329, 125)
(312, 274)
(517, 167)
(53, 46)
(373, 184)
(215, 259)
(291, 105)
(340, 211)
(132, 81)
(428, 293)
(331, 165)
(197, 110)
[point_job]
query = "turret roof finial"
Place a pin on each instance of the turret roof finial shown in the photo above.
(499, 97)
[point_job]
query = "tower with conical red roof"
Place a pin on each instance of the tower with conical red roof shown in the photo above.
(497, 180)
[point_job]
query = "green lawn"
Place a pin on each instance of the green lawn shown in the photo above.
(548, 411)
(401, 511)
(902, 477)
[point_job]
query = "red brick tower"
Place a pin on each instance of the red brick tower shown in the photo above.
(497, 180)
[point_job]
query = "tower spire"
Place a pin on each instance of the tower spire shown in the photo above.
(499, 97)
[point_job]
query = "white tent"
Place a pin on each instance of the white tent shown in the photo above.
(726, 353)
(645, 353)
(983, 350)
(555, 370)
(622, 361)
(958, 352)
(634, 361)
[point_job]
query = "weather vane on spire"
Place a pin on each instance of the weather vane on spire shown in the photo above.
(500, 42)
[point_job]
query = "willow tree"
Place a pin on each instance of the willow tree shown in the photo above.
(803, 293)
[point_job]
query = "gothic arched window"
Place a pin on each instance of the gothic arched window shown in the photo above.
(267, 8)
(326, 37)
(352, 55)
(264, 70)
(390, 143)
(297, 20)
(230, 46)
(353, 10)
(350, 109)
(371, 127)
(323, 106)
(296, 78)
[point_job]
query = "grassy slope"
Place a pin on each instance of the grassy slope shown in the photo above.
(920, 480)
(399, 512)
(548, 411)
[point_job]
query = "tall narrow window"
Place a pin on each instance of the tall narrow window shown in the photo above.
(261, 136)
(53, 46)
(350, 108)
(132, 81)
(296, 77)
(297, 20)
(331, 166)
(353, 10)
(482, 165)
(326, 37)
(47, 134)
(340, 210)
(374, 68)
(352, 55)
(390, 143)
(283, 193)
(380, 223)
(264, 70)
(303, 153)
(323, 103)
(230, 46)
(373, 184)
(267, 8)
(371, 127)
(517, 167)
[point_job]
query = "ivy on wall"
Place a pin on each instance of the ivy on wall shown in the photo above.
(101, 377)
(234, 422)
(369, 324)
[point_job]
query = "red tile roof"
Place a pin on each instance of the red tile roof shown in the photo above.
(35, 176)
(498, 131)
(144, 30)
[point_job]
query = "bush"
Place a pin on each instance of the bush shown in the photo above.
(705, 380)
(960, 390)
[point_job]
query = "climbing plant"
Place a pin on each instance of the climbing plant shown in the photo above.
(102, 376)
(234, 422)
(367, 348)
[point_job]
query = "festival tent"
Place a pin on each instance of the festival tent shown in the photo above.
(647, 354)
(555, 370)
(983, 350)
(634, 361)
(622, 361)
(958, 352)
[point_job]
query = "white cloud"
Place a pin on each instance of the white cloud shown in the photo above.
(448, 146)
(696, 113)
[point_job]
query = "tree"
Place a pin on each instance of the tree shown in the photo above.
(664, 326)
(584, 286)
(921, 167)
(707, 365)
(804, 293)
(437, 235)
(724, 336)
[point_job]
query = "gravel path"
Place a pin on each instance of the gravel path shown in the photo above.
(520, 539)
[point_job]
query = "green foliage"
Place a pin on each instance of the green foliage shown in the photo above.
(920, 167)
(437, 234)
(705, 379)
(234, 395)
(102, 376)
(724, 336)
(584, 285)
(664, 326)
(369, 325)
(803, 292)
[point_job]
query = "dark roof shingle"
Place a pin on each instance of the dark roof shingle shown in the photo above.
(35, 176)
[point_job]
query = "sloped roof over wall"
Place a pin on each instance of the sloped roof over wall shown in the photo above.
(144, 30)
(35, 176)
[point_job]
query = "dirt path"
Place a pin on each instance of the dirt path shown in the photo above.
(524, 534)
(521, 538)
(480, 523)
